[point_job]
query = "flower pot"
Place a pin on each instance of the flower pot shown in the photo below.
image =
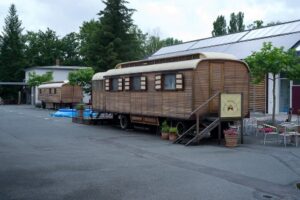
(80, 113)
(164, 135)
(231, 138)
(172, 137)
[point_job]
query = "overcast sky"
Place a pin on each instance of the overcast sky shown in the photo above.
(182, 19)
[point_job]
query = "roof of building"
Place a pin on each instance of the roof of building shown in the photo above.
(241, 44)
(180, 65)
(53, 84)
(56, 67)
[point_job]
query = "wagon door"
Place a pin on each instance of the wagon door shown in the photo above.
(216, 77)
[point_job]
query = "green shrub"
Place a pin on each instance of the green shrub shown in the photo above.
(165, 127)
(173, 130)
(80, 106)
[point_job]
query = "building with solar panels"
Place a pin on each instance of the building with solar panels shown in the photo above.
(241, 45)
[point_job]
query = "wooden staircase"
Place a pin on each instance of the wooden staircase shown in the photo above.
(202, 128)
(192, 137)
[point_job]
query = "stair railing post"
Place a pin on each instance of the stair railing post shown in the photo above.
(197, 128)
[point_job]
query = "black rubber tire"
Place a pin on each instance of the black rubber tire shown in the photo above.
(181, 127)
(43, 105)
(124, 122)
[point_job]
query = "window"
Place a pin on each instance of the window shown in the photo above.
(296, 82)
(136, 83)
(169, 82)
(114, 84)
(50, 91)
(54, 90)
(40, 91)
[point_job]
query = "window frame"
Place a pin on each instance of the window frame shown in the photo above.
(163, 82)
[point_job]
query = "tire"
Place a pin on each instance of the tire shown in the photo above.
(124, 122)
(43, 105)
(181, 127)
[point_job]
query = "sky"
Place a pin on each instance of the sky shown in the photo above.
(182, 19)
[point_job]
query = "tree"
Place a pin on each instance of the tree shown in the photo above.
(273, 60)
(83, 78)
(232, 28)
(89, 42)
(70, 49)
(219, 26)
(36, 80)
(154, 43)
(240, 22)
(42, 48)
(236, 23)
(12, 47)
(116, 42)
(256, 24)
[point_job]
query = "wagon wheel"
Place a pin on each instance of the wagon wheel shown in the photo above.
(181, 127)
(124, 122)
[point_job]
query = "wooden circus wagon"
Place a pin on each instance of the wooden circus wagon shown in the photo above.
(184, 90)
(58, 94)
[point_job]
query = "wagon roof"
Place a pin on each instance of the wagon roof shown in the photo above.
(169, 66)
(53, 84)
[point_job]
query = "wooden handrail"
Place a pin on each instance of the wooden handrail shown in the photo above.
(205, 103)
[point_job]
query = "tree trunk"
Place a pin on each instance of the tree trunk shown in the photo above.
(274, 99)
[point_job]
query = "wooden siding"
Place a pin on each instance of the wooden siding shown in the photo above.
(176, 104)
(208, 78)
(63, 94)
(257, 97)
(224, 76)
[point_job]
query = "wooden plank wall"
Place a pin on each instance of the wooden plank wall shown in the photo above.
(175, 104)
(45, 96)
(236, 80)
(98, 100)
(71, 94)
(233, 78)
(257, 98)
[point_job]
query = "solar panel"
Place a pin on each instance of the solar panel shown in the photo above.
(218, 40)
(273, 30)
(175, 48)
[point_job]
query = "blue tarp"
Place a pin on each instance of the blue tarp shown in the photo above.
(66, 112)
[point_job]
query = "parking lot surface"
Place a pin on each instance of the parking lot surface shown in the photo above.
(52, 158)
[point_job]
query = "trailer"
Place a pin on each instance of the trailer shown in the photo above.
(183, 90)
(59, 94)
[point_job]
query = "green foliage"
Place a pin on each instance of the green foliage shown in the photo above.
(116, 42)
(232, 28)
(90, 46)
(12, 48)
(240, 22)
(256, 24)
(165, 127)
(36, 80)
(154, 43)
(83, 78)
(70, 49)
(273, 60)
(80, 106)
(43, 48)
(219, 26)
(173, 130)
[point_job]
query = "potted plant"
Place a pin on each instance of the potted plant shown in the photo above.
(80, 109)
(231, 137)
(165, 130)
(173, 133)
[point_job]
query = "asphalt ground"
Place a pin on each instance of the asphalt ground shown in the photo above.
(52, 158)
